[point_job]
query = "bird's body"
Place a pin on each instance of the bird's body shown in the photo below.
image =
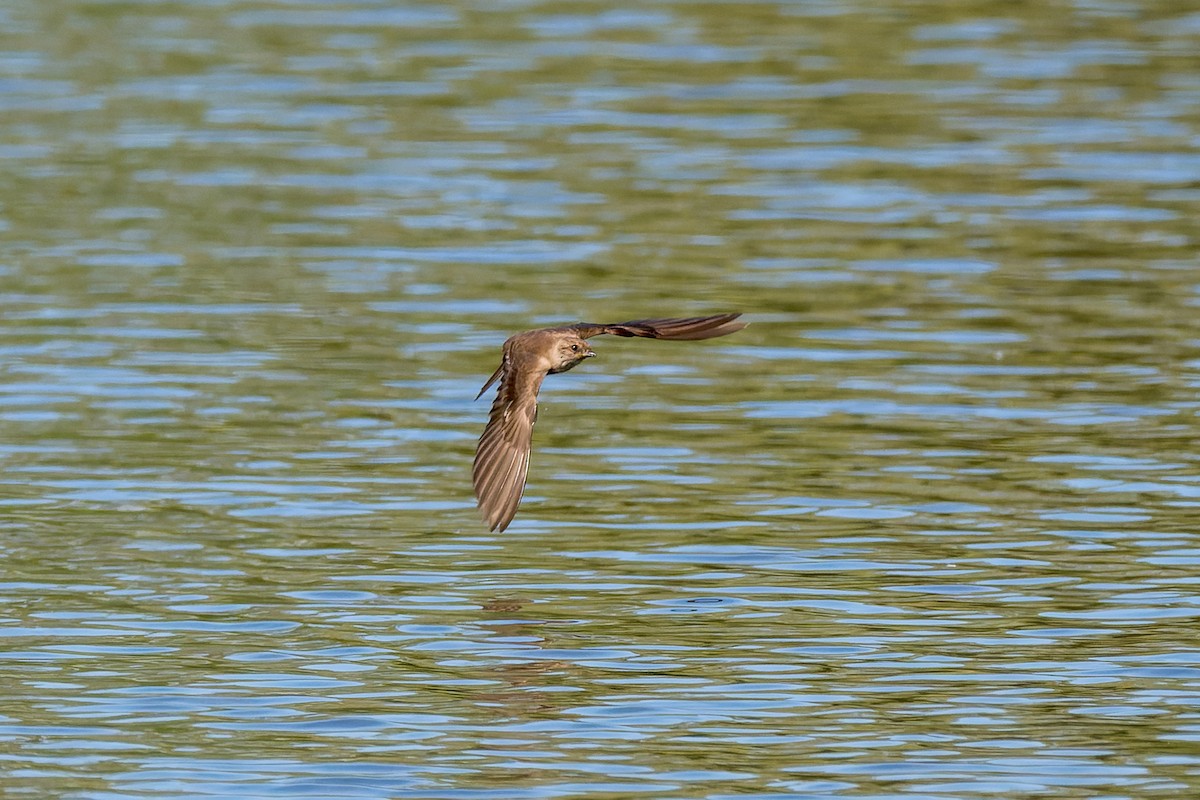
(502, 456)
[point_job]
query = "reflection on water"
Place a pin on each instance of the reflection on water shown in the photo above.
(925, 529)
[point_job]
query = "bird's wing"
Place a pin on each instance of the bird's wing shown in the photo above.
(502, 456)
(675, 328)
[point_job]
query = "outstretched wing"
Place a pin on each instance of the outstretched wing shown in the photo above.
(686, 328)
(502, 456)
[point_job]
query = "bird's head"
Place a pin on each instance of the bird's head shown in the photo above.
(569, 350)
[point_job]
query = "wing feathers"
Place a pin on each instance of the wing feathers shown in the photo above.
(681, 328)
(502, 457)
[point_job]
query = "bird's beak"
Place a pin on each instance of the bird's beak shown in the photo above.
(590, 354)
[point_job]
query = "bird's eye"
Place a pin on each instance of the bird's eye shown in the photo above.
(574, 348)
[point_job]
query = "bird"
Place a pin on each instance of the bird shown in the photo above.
(502, 455)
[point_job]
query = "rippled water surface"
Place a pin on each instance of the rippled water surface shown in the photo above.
(926, 529)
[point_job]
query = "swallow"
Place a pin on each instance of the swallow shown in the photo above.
(502, 455)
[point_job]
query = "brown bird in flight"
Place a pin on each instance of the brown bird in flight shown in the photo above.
(502, 456)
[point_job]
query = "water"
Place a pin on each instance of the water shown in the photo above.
(926, 529)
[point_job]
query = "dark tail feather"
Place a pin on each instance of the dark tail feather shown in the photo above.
(495, 376)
